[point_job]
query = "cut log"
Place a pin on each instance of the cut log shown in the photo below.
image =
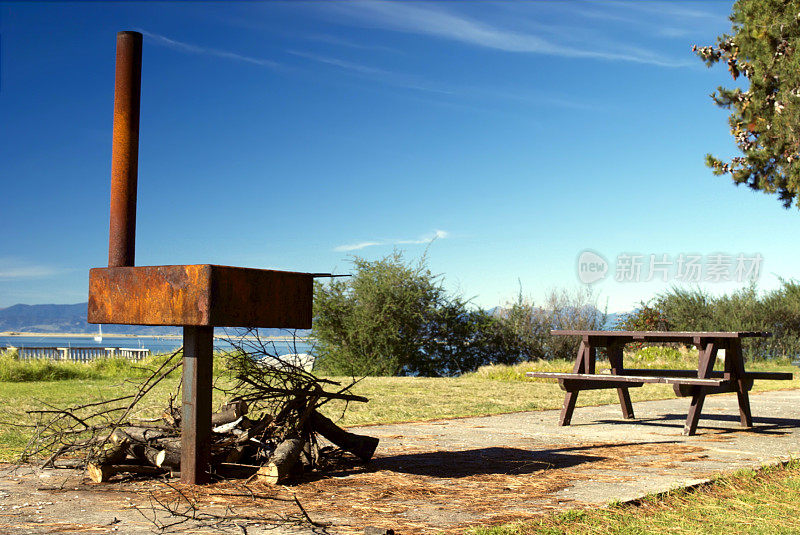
(162, 458)
(69, 463)
(283, 459)
(307, 456)
(100, 473)
(361, 446)
(168, 459)
(115, 454)
(158, 439)
(172, 417)
(227, 427)
(142, 434)
(119, 435)
(236, 471)
(235, 454)
(166, 453)
(230, 412)
(144, 453)
(172, 444)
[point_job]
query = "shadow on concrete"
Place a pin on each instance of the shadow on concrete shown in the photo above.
(491, 460)
(761, 424)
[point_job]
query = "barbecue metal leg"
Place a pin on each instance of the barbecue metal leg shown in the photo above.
(198, 356)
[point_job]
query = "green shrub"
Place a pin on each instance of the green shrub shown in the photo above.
(531, 324)
(645, 318)
(395, 318)
(776, 311)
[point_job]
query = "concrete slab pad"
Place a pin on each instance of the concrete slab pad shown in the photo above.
(447, 475)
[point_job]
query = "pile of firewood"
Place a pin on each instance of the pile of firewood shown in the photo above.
(241, 447)
(269, 428)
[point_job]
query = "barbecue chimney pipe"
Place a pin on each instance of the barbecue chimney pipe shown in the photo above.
(125, 150)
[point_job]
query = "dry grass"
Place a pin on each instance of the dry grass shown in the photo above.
(765, 501)
(443, 492)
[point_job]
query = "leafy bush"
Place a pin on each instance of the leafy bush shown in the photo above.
(394, 318)
(776, 311)
(645, 318)
(530, 324)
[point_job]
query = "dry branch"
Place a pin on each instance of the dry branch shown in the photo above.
(269, 425)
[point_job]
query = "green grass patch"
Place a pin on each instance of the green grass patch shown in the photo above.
(14, 370)
(498, 389)
(17, 398)
(748, 501)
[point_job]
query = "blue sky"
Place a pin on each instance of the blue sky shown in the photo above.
(294, 135)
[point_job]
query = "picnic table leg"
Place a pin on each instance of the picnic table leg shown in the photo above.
(572, 397)
(569, 407)
(615, 358)
(734, 356)
(708, 352)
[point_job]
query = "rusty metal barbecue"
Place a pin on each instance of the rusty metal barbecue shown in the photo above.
(195, 297)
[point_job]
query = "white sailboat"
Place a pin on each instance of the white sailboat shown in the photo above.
(99, 336)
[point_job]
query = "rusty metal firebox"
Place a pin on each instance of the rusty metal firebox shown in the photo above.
(196, 297)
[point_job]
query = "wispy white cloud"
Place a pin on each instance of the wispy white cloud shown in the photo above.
(189, 48)
(357, 246)
(340, 41)
(407, 81)
(436, 235)
(675, 10)
(416, 83)
(665, 19)
(437, 21)
(13, 268)
(427, 238)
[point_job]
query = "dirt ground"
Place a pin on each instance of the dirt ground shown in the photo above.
(429, 477)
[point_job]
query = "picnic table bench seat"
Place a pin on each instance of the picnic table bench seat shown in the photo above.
(697, 383)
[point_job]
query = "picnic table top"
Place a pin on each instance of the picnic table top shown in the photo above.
(679, 335)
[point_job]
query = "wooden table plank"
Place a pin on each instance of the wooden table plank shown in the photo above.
(658, 335)
(622, 379)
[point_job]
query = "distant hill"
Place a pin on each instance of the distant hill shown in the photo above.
(72, 319)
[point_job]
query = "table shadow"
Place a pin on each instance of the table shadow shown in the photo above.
(761, 424)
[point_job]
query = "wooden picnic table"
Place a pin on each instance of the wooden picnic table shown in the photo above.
(697, 384)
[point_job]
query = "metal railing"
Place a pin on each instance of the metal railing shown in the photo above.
(78, 354)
